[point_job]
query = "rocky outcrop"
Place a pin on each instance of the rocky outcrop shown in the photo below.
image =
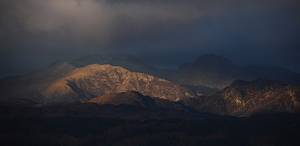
(250, 97)
(261, 96)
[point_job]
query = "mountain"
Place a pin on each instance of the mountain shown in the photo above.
(219, 72)
(97, 80)
(250, 97)
(66, 83)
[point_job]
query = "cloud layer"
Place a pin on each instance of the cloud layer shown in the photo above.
(96, 23)
(267, 30)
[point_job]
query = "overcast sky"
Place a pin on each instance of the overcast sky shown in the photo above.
(34, 33)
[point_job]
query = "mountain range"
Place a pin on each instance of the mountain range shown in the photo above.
(211, 84)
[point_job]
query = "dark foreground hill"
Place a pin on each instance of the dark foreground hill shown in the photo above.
(74, 125)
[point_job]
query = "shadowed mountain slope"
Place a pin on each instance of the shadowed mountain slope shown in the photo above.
(219, 72)
(27, 88)
(133, 98)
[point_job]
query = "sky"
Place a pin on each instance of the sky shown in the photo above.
(34, 33)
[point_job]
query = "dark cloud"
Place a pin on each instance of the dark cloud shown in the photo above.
(267, 30)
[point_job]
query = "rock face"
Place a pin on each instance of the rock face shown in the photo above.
(250, 97)
(261, 96)
(98, 80)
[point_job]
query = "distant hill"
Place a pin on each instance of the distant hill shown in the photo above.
(218, 72)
